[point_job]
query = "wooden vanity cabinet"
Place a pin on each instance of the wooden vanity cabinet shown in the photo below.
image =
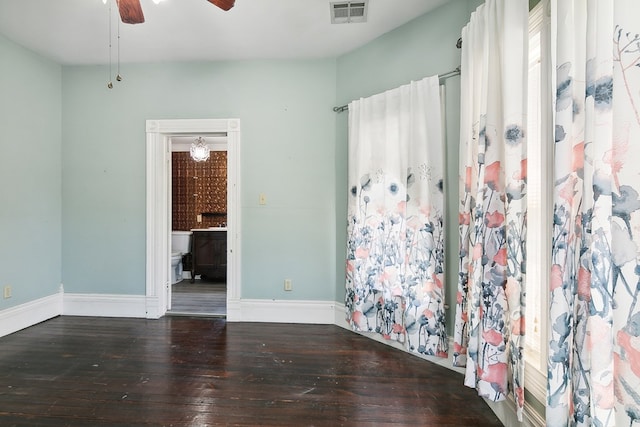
(209, 249)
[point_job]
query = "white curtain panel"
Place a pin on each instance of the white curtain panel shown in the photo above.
(395, 255)
(594, 323)
(490, 324)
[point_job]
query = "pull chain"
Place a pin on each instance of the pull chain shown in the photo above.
(118, 77)
(110, 84)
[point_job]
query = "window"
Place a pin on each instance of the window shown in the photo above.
(539, 192)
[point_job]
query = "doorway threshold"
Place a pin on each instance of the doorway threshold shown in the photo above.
(195, 314)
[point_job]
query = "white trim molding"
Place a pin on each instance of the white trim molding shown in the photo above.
(281, 311)
(105, 305)
(153, 308)
(506, 412)
(340, 316)
(158, 245)
(30, 313)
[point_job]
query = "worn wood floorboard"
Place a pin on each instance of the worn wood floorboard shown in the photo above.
(182, 371)
(203, 298)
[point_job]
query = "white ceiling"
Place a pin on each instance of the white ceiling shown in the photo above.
(77, 31)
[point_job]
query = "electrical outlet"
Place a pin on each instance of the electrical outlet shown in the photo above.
(262, 199)
(7, 292)
(288, 286)
(199, 218)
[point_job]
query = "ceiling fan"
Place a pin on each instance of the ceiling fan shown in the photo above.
(131, 11)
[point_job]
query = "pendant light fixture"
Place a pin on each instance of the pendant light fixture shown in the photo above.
(199, 150)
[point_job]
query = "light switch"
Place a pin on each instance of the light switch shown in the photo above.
(262, 199)
(199, 218)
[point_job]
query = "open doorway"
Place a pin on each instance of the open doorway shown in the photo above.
(198, 212)
(160, 134)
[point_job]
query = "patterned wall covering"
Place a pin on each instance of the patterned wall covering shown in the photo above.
(198, 188)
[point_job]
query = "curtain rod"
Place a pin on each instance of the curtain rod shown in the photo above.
(444, 76)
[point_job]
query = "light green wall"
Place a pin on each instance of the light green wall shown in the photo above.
(420, 48)
(293, 150)
(29, 174)
(288, 132)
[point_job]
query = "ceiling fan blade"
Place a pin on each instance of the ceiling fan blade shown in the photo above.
(223, 4)
(130, 11)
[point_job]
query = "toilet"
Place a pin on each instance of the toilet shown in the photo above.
(180, 245)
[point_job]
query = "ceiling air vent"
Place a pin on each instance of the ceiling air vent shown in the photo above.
(346, 12)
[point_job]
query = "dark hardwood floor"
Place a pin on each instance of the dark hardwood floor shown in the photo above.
(182, 371)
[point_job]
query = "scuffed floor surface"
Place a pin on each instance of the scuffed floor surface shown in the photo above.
(181, 371)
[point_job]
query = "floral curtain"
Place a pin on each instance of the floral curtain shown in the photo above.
(594, 328)
(395, 253)
(489, 328)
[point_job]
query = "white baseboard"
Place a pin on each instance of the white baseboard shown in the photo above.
(153, 308)
(105, 305)
(506, 413)
(234, 310)
(340, 316)
(28, 314)
(281, 311)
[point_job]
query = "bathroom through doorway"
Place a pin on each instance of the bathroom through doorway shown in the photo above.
(162, 135)
(198, 213)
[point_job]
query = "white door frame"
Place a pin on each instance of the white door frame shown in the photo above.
(158, 244)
